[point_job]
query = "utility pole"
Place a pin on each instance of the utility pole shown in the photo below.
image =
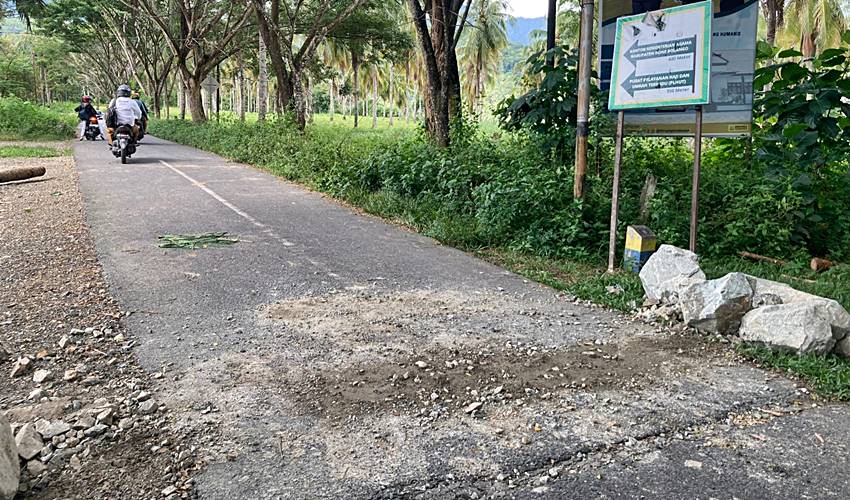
(583, 112)
(551, 27)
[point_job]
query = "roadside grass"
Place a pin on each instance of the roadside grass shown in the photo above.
(32, 152)
(829, 375)
(319, 119)
(22, 120)
(586, 281)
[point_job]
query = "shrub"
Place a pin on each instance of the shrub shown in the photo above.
(22, 120)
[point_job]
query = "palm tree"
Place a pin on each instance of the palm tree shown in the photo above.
(481, 46)
(25, 9)
(813, 25)
(335, 57)
(774, 14)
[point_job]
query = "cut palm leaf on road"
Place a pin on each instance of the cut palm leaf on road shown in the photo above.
(193, 241)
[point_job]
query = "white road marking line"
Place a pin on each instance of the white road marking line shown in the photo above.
(228, 204)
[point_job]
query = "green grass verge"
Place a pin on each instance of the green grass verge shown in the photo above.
(32, 152)
(828, 376)
(22, 120)
(584, 280)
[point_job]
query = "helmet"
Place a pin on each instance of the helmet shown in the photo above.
(134, 95)
(86, 99)
(123, 91)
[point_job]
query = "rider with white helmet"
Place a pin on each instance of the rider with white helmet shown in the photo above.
(123, 111)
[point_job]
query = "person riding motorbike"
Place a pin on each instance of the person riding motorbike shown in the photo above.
(144, 108)
(123, 111)
(84, 112)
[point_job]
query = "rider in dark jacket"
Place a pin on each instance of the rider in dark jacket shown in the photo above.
(85, 111)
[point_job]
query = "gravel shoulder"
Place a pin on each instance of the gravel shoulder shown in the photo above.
(88, 413)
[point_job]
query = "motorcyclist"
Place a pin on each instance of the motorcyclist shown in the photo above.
(84, 112)
(144, 108)
(123, 110)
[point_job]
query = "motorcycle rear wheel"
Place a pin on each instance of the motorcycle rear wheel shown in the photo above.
(124, 156)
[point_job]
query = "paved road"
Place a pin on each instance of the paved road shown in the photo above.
(331, 355)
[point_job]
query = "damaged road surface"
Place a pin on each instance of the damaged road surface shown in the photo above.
(331, 355)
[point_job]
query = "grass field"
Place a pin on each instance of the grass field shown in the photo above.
(17, 151)
(365, 122)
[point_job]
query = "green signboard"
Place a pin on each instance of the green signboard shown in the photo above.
(662, 58)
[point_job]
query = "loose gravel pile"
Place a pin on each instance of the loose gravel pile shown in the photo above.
(85, 415)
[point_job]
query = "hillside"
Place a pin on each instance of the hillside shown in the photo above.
(519, 30)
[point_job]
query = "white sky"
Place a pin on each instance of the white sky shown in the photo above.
(528, 8)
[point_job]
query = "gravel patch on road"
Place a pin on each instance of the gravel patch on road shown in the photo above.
(370, 392)
(69, 382)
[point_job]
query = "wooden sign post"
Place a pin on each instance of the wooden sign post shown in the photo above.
(661, 59)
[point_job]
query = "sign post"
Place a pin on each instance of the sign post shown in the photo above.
(615, 193)
(661, 59)
(695, 183)
(210, 84)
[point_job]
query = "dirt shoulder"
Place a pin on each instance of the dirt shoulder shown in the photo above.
(90, 414)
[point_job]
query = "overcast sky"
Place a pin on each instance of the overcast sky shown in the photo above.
(528, 8)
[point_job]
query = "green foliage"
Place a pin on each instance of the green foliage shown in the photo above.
(803, 143)
(21, 120)
(805, 111)
(549, 107)
(828, 375)
(32, 152)
(583, 280)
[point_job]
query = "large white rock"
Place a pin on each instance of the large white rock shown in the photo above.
(10, 471)
(668, 272)
(807, 326)
(28, 441)
(766, 292)
(717, 306)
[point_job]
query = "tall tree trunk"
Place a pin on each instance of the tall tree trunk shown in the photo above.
(299, 98)
(355, 65)
(263, 83)
(437, 42)
(770, 15)
(157, 105)
(196, 102)
(392, 94)
(407, 93)
(375, 96)
(240, 86)
(551, 30)
(309, 100)
(808, 46)
(36, 78)
(181, 96)
(331, 107)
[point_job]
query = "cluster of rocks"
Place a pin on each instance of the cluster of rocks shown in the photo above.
(83, 400)
(757, 310)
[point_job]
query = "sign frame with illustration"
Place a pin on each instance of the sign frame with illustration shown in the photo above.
(662, 58)
(733, 56)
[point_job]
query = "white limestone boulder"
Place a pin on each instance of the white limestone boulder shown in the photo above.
(811, 326)
(10, 471)
(668, 272)
(717, 306)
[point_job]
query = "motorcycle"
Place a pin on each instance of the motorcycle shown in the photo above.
(123, 144)
(92, 131)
